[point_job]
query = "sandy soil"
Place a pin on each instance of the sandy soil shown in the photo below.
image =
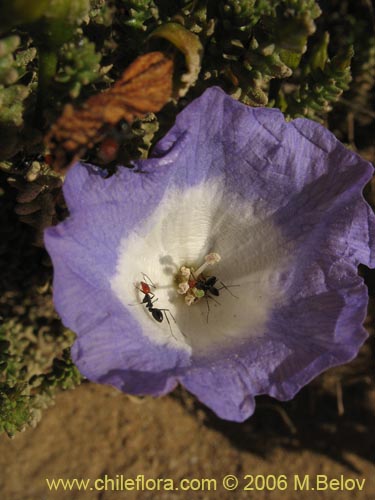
(95, 430)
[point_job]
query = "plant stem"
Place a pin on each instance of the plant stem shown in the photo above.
(47, 70)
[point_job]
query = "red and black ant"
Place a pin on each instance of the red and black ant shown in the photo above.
(156, 313)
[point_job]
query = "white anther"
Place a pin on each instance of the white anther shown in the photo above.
(183, 288)
(190, 299)
(185, 272)
(211, 258)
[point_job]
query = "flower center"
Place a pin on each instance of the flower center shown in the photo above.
(170, 253)
(194, 284)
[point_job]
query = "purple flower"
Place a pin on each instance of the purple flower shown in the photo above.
(280, 206)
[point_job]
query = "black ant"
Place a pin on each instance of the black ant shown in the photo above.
(208, 285)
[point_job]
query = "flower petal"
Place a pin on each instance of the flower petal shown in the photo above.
(280, 202)
(110, 346)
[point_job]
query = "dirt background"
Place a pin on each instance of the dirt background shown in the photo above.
(95, 430)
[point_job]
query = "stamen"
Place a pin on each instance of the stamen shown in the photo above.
(187, 279)
(185, 273)
(183, 288)
(211, 259)
(190, 298)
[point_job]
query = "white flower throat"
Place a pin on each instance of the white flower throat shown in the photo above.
(190, 282)
(205, 299)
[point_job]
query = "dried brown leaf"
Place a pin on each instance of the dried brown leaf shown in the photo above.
(145, 86)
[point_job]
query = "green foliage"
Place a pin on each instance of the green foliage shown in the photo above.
(30, 374)
(324, 83)
(100, 12)
(255, 42)
(70, 11)
(355, 24)
(140, 138)
(15, 412)
(19, 12)
(139, 13)
(11, 104)
(34, 355)
(284, 53)
(79, 66)
(13, 66)
(361, 96)
(241, 16)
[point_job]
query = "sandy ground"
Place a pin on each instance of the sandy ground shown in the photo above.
(96, 431)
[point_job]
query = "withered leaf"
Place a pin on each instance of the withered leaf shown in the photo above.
(145, 86)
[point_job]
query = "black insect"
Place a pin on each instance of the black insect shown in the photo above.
(210, 290)
(207, 285)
